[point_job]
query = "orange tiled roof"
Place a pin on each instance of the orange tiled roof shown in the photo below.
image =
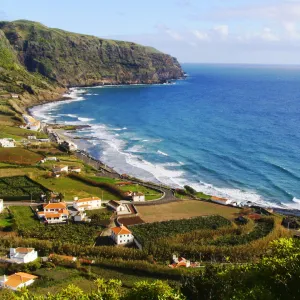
(87, 199)
(24, 250)
(219, 199)
(60, 205)
(121, 230)
(18, 278)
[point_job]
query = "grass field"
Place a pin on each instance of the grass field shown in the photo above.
(71, 188)
(23, 216)
(183, 210)
(18, 133)
(5, 219)
(149, 193)
(19, 156)
(54, 280)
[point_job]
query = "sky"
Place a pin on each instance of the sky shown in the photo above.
(214, 31)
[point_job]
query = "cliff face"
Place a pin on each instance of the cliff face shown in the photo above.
(73, 59)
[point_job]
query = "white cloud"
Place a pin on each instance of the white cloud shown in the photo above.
(171, 33)
(222, 31)
(268, 36)
(200, 35)
(291, 30)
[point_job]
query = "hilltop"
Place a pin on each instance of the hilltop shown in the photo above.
(38, 63)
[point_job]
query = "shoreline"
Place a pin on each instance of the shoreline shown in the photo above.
(105, 167)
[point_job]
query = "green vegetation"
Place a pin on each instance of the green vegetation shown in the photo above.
(20, 187)
(71, 188)
(150, 194)
(27, 226)
(5, 220)
(18, 133)
(23, 218)
(19, 156)
(148, 233)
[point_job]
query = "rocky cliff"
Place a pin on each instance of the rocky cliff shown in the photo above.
(57, 57)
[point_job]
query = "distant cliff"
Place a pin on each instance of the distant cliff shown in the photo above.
(70, 59)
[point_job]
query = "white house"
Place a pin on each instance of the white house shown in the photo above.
(15, 96)
(116, 205)
(121, 235)
(22, 255)
(60, 169)
(31, 137)
(74, 169)
(81, 217)
(87, 203)
(54, 213)
(7, 143)
(70, 146)
(135, 196)
(31, 123)
(138, 197)
(1, 205)
(219, 200)
(51, 158)
(17, 280)
(178, 261)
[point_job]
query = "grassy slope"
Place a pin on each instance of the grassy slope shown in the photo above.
(184, 209)
(74, 59)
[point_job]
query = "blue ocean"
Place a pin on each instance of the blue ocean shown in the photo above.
(227, 130)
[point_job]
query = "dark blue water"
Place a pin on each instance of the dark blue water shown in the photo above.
(227, 130)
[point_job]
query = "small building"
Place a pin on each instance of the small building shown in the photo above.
(60, 169)
(31, 137)
(54, 213)
(81, 216)
(51, 158)
(31, 123)
(17, 280)
(122, 235)
(138, 197)
(7, 143)
(116, 206)
(22, 255)
(74, 169)
(178, 261)
(219, 200)
(69, 146)
(1, 205)
(87, 203)
(15, 96)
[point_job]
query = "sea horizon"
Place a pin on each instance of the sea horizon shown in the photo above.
(221, 166)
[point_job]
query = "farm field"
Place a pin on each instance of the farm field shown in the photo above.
(149, 232)
(71, 188)
(18, 133)
(183, 210)
(19, 156)
(150, 194)
(5, 219)
(23, 217)
(19, 186)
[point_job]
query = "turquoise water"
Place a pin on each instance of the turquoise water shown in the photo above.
(227, 130)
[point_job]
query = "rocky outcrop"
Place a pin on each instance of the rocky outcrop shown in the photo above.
(70, 59)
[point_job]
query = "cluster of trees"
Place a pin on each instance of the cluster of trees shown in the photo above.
(147, 233)
(106, 290)
(224, 245)
(275, 276)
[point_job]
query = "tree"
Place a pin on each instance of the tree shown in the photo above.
(157, 290)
